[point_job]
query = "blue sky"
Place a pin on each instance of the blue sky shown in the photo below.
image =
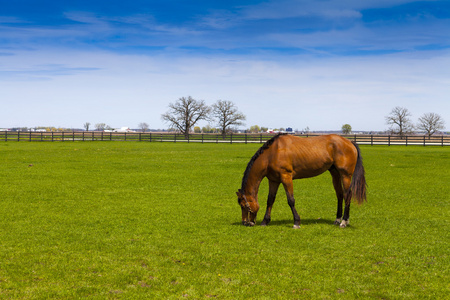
(285, 63)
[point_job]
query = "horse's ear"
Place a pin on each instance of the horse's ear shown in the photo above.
(239, 193)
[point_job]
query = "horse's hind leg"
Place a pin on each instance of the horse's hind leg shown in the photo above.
(273, 188)
(346, 180)
(337, 184)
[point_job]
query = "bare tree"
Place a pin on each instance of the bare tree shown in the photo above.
(185, 113)
(143, 126)
(100, 126)
(400, 121)
(430, 123)
(87, 125)
(227, 115)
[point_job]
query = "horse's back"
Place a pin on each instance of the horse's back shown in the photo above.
(316, 143)
(308, 157)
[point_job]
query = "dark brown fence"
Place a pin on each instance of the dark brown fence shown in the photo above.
(389, 140)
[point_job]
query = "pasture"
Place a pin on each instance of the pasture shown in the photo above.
(161, 220)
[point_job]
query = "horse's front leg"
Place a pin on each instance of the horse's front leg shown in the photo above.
(289, 188)
(273, 188)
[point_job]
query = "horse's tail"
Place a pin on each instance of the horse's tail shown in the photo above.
(358, 185)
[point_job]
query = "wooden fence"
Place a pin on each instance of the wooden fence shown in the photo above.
(389, 140)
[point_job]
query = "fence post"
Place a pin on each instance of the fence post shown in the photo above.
(442, 140)
(371, 140)
(30, 136)
(231, 138)
(175, 138)
(246, 138)
(424, 141)
(389, 140)
(52, 136)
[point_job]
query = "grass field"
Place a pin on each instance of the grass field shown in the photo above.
(160, 220)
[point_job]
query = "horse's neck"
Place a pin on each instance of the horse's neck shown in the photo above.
(256, 175)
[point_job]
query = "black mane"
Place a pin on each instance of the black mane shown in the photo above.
(265, 146)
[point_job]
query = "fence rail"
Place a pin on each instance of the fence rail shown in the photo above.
(389, 140)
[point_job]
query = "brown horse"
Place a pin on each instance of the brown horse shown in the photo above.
(286, 157)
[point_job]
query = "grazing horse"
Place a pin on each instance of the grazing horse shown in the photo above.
(286, 157)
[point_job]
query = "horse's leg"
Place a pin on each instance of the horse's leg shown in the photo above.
(337, 183)
(289, 188)
(346, 180)
(273, 188)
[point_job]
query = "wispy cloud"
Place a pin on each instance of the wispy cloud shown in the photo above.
(41, 72)
(311, 26)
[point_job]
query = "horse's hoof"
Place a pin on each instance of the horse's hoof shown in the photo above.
(343, 224)
(296, 226)
(337, 222)
(251, 224)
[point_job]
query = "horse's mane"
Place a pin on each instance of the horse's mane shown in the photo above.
(265, 146)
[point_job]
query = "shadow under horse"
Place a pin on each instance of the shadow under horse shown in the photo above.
(284, 158)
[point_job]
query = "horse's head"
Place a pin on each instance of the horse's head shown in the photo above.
(249, 207)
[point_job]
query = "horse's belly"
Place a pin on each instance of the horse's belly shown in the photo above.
(308, 173)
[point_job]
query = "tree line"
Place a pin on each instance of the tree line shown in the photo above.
(186, 112)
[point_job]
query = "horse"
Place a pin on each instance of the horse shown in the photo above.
(285, 157)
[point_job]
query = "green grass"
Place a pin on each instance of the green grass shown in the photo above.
(129, 220)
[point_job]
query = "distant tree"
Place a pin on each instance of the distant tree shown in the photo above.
(197, 129)
(86, 126)
(143, 126)
(226, 114)
(207, 129)
(100, 126)
(400, 121)
(185, 113)
(264, 129)
(254, 129)
(430, 123)
(346, 129)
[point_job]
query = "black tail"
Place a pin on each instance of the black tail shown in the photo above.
(358, 185)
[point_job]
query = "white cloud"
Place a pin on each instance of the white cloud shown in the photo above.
(123, 90)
